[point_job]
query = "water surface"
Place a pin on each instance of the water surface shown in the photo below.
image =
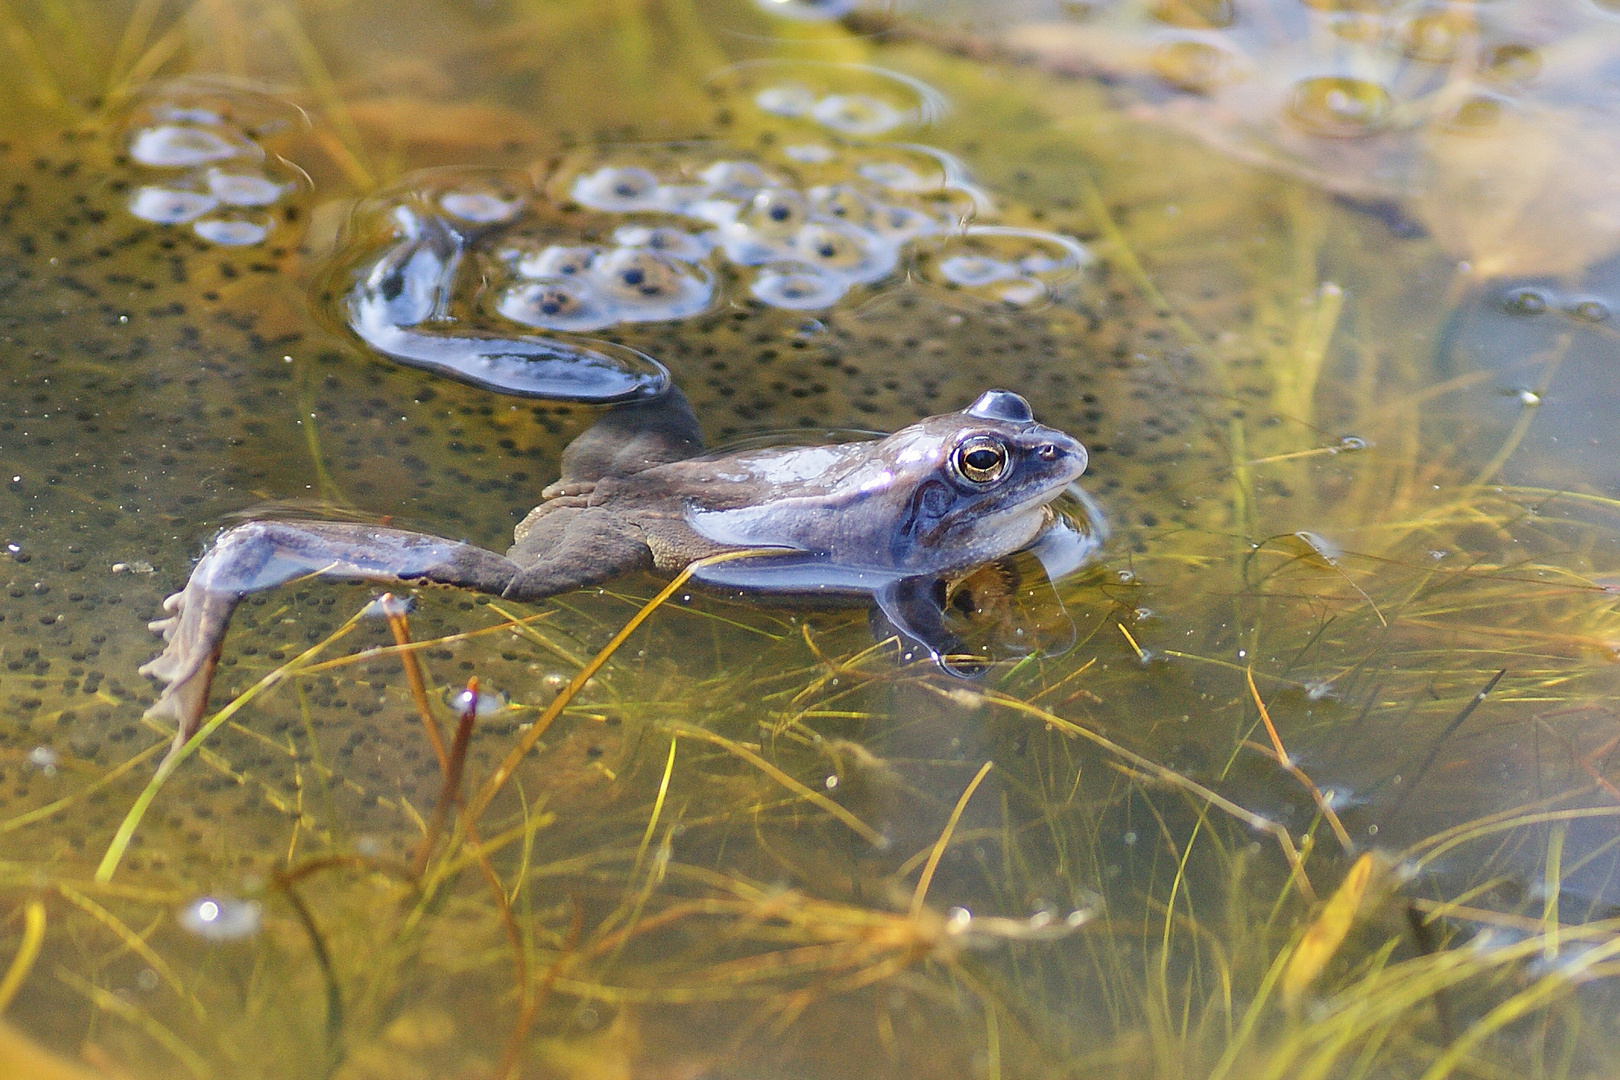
(1340, 344)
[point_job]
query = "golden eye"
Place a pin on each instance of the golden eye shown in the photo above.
(981, 460)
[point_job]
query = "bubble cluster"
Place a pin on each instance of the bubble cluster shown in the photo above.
(202, 149)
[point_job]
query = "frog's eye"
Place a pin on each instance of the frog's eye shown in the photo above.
(981, 460)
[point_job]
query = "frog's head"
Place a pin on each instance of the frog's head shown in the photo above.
(977, 482)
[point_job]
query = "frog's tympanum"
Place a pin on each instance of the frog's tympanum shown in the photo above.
(886, 520)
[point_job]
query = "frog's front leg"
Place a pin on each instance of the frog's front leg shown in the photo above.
(264, 554)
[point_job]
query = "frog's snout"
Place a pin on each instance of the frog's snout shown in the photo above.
(1065, 455)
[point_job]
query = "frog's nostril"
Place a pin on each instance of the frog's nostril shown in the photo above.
(1046, 452)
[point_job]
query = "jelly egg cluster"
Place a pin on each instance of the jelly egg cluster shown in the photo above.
(206, 172)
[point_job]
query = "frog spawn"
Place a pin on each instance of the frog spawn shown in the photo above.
(451, 270)
(808, 244)
(203, 151)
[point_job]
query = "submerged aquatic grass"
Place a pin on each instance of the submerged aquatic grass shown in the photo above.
(1325, 787)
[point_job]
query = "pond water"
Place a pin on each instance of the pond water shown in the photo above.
(1322, 783)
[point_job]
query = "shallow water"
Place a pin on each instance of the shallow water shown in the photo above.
(1347, 396)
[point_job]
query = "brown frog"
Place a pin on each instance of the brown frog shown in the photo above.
(884, 521)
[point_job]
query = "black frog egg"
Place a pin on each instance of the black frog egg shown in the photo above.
(556, 260)
(798, 288)
(899, 224)
(975, 269)
(617, 189)
(843, 202)
(845, 251)
(556, 304)
(859, 115)
(733, 179)
(776, 212)
(648, 285)
(676, 243)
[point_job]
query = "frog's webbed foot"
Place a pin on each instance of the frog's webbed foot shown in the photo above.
(264, 554)
(563, 546)
(914, 608)
(629, 438)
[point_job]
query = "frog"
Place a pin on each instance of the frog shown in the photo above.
(887, 522)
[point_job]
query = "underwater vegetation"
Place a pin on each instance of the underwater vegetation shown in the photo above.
(1324, 786)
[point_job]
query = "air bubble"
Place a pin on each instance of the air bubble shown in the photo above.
(617, 189)
(809, 153)
(481, 207)
(1593, 311)
(790, 99)
(231, 231)
(1199, 66)
(858, 115)
(243, 189)
(169, 206)
(1435, 36)
(1525, 302)
(172, 146)
(896, 176)
(388, 605)
(1194, 14)
(486, 703)
(1339, 107)
(808, 10)
(1476, 114)
(797, 289)
(1013, 266)
(1512, 64)
(219, 919)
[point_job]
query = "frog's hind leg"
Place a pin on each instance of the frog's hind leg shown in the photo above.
(563, 546)
(264, 554)
(627, 439)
